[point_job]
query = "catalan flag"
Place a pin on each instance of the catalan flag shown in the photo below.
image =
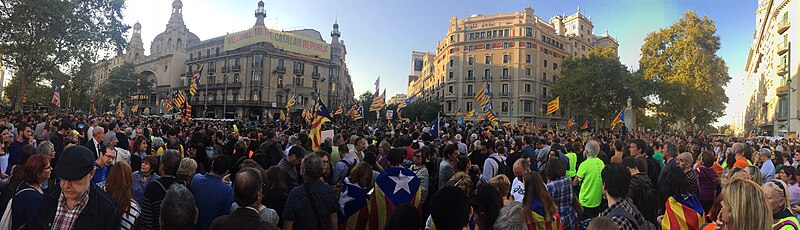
(404, 103)
(195, 80)
(168, 104)
(490, 115)
(119, 110)
(458, 112)
(378, 102)
(469, 114)
(307, 114)
(290, 103)
(618, 119)
(553, 106)
(283, 116)
(393, 187)
(353, 209)
(186, 112)
(339, 110)
(56, 96)
(321, 115)
(484, 97)
(178, 98)
(360, 112)
(571, 122)
(682, 212)
(586, 124)
(539, 220)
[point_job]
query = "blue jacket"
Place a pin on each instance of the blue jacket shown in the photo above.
(213, 198)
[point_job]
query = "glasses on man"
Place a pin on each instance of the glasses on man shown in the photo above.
(417, 156)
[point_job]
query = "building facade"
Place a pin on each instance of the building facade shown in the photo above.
(518, 54)
(771, 70)
(397, 98)
(249, 74)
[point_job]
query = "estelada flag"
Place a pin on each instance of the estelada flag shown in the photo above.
(571, 122)
(538, 219)
(553, 106)
(339, 110)
(683, 212)
(321, 115)
(283, 116)
(393, 187)
(353, 209)
(618, 119)
(469, 114)
(585, 124)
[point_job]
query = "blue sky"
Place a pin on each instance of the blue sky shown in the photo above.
(380, 35)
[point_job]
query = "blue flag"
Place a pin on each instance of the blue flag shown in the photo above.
(435, 126)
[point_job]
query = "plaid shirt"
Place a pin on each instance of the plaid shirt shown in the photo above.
(622, 222)
(561, 191)
(65, 217)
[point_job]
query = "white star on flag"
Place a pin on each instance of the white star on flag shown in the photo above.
(343, 199)
(401, 182)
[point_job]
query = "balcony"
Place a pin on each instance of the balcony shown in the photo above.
(212, 70)
(782, 47)
(256, 66)
(469, 78)
(298, 72)
(489, 77)
(280, 70)
(783, 25)
(315, 75)
(225, 69)
(504, 77)
(237, 68)
(782, 91)
(782, 69)
(469, 94)
(545, 81)
(546, 97)
(504, 94)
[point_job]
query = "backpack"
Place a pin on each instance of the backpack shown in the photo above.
(501, 167)
(644, 225)
(5, 221)
(645, 201)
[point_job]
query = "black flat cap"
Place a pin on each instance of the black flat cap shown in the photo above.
(75, 163)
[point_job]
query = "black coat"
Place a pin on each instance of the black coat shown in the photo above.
(100, 211)
(241, 218)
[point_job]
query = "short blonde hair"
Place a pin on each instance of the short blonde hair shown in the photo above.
(502, 184)
(186, 169)
(748, 205)
(462, 181)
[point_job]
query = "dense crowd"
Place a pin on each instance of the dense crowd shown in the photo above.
(78, 171)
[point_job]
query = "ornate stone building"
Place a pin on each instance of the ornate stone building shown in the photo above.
(244, 74)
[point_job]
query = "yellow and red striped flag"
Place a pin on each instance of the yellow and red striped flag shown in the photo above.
(168, 104)
(490, 115)
(378, 102)
(290, 103)
(195, 80)
(283, 116)
(484, 97)
(186, 112)
(571, 122)
(339, 110)
(553, 106)
(542, 221)
(469, 114)
(618, 119)
(393, 187)
(321, 115)
(686, 213)
(586, 124)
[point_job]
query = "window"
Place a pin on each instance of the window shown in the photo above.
(555, 66)
(208, 53)
(235, 97)
(256, 78)
(450, 89)
(236, 62)
(471, 48)
(469, 106)
(255, 95)
(449, 106)
(544, 76)
(483, 34)
(470, 60)
(527, 88)
(216, 53)
(451, 62)
(505, 72)
(280, 81)
(529, 32)
(581, 27)
(505, 45)
(257, 60)
(279, 99)
(527, 106)
(544, 91)
(504, 89)
(470, 89)
(505, 32)
(488, 46)
(316, 69)
(487, 73)
(506, 58)
(527, 58)
(545, 63)
(488, 60)
(314, 84)
(236, 78)
(528, 45)
(544, 108)
(450, 75)
(470, 75)
(527, 72)
(504, 107)
(191, 56)
(583, 47)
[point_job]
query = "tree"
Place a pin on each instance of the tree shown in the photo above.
(45, 36)
(682, 60)
(365, 100)
(599, 84)
(123, 82)
(423, 111)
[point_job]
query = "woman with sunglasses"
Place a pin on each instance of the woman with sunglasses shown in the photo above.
(778, 200)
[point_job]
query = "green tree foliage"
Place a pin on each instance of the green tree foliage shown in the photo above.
(682, 60)
(599, 84)
(422, 111)
(365, 99)
(44, 36)
(122, 83)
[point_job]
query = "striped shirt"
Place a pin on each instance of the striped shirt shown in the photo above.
(129, 217)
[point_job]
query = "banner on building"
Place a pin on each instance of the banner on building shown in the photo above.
(279, 39)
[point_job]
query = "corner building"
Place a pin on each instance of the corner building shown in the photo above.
(517, 53)
(248, 75)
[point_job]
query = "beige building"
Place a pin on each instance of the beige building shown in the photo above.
(518, 54)
(245, 74)
(771, 67)
(397, 98)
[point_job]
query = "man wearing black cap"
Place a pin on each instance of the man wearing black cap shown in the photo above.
(77, 203)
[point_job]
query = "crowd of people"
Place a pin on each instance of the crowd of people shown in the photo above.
(78, 171)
